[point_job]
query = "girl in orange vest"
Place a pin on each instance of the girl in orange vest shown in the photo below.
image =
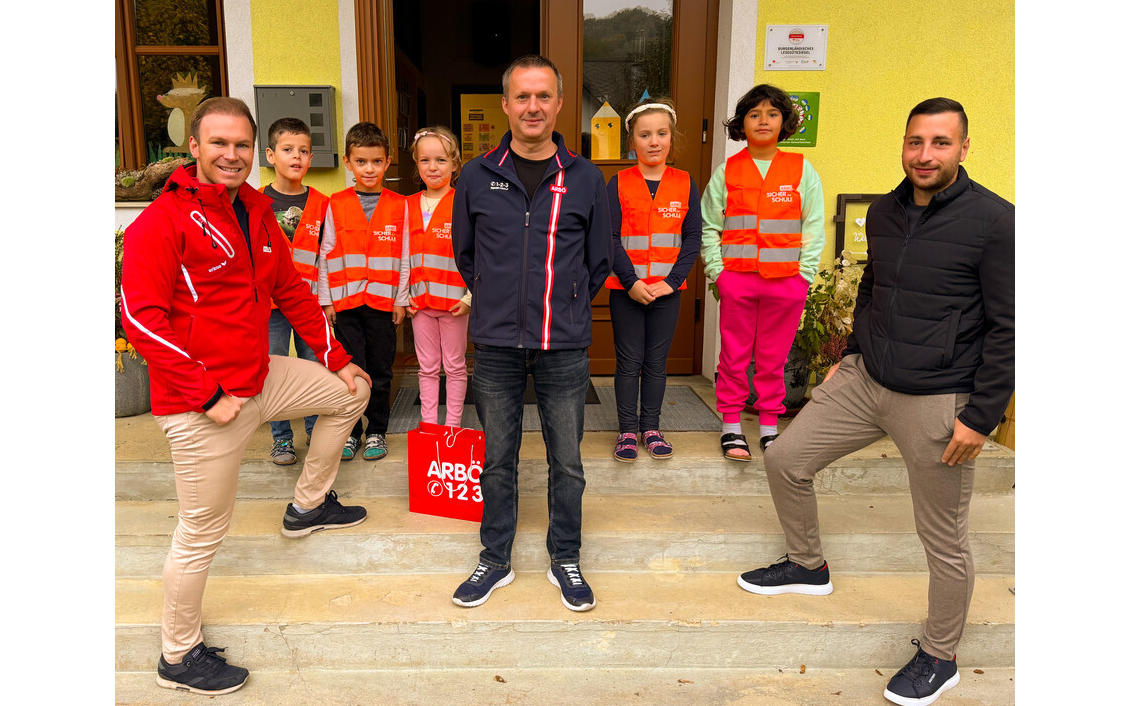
(763, 233)
(654, 209)
(439, 300)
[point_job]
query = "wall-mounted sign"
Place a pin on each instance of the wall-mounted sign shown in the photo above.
(808, 105)
(482, 123)
(796, 47)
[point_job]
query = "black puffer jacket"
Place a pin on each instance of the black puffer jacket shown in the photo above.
(935, 310)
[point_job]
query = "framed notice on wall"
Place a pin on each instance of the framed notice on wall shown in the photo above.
(796, 47)
(482, 123)
(851, 224)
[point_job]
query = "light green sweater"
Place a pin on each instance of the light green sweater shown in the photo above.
(812, 219)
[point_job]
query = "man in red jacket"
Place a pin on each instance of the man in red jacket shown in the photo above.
(200, 268)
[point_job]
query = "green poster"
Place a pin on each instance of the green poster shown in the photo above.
(808, 107)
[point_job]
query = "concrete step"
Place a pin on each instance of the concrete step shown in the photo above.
(585, 687)
(684, 620)
(697, 469)
(861, 533)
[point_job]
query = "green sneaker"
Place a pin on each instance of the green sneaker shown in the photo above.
(351, 447)
(375, 447)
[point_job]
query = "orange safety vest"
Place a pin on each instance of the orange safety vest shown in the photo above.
(304, 247)
(651, 228)
(364, 266)
(434, 281)
(762, 224)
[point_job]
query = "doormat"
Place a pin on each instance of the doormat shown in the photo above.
(682, 411)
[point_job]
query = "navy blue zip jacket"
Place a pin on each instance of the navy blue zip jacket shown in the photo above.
(533, 262)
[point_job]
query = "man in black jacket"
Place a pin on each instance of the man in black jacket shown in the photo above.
(930, 363)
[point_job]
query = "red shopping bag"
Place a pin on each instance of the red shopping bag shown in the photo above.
(444, 464)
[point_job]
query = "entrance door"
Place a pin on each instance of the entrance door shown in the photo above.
(611, 52)
(415, 71)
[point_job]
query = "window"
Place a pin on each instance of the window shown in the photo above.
(626, 56)
(170, 57)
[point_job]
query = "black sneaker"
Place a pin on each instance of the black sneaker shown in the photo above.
(202, 672)
(923, 680)
(576, 594)
(479, 586)
(787, 577)
(331, 514)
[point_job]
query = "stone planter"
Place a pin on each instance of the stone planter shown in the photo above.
(131, 387)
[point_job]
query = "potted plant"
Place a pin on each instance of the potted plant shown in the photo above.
(822, 333)
(827, 320)
(145, 184)
(131, 379)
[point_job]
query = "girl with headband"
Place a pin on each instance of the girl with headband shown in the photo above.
(656, 223)
(439, 300)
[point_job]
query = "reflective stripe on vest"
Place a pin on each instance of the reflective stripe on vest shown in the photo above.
(364, 266)
(762, 228)
(435, 282)
(651, 228)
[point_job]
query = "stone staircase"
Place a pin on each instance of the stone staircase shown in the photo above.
(364, 615)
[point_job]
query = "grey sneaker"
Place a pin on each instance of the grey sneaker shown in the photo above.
(283, 452)
(202, 671)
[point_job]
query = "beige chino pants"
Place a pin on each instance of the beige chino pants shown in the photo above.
(206, 464)
(849, 412)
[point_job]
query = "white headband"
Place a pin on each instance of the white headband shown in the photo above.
(648, 106)
(426, 133)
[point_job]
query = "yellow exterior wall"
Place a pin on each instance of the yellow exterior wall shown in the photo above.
(884, 56)
(296, 42)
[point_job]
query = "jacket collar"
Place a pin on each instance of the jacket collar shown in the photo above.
(500, 157)
(904, 191)
(184, 183)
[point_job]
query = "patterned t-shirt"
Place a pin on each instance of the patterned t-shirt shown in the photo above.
(288, 209)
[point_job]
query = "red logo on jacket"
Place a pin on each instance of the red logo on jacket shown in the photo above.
(558, 189)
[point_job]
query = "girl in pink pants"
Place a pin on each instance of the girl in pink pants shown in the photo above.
(439, 301)
(763, 233)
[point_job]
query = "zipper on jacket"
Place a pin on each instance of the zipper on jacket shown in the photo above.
(895, 281)
(522, 299)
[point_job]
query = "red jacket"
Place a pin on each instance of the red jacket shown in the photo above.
(195, 305)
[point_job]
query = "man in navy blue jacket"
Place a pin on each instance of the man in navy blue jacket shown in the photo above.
(531, 235)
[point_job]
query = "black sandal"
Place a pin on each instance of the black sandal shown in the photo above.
(731, 442)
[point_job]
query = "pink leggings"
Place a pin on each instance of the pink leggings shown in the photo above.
(760, 316)
(441, 337)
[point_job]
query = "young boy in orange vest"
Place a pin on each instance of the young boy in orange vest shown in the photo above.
(300, 210)
(363, 276)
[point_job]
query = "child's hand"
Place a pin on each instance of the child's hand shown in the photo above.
(660, 289)
(331, 315)
(640, 293)
(398, 314)
(460, 309)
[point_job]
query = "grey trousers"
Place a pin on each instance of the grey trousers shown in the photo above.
(849, 412)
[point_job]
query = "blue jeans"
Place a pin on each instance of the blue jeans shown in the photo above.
(279, 343)
(561, 379)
